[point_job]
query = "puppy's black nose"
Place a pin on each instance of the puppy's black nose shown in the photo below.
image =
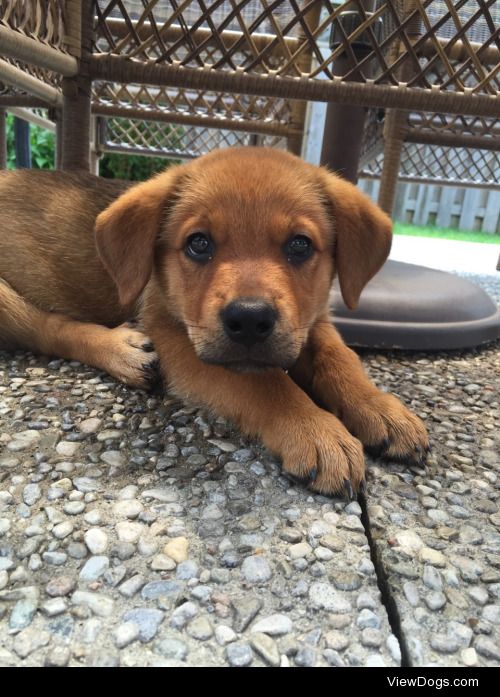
(248, 320)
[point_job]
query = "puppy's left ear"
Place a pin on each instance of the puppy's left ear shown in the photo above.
(127, 231)
(363, 235)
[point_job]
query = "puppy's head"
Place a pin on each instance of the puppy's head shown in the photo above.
(243, 245)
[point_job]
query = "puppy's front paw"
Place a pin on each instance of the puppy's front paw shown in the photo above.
(387, 428)
(132, 358)
(320, 451)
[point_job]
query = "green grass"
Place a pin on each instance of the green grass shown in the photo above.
(445, 233)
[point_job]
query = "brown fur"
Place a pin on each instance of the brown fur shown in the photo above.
(60, 296)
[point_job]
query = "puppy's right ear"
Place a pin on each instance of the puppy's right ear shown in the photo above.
(126, 232)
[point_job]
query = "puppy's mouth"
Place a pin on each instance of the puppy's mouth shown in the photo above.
(248, 360)
(244, 366)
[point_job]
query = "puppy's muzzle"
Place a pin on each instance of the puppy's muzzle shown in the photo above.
(248, 321)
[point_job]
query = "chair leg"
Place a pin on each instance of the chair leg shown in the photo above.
(394, 135)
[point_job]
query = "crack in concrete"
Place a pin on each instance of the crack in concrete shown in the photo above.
(387, 597)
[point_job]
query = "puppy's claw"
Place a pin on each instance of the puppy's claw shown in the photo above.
(362, 487)
(385, 444)
(313, 474)
(349, 490)
(147, 347)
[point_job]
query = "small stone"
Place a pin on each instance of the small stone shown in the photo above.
(435, 600)
(60, 586)
(23, 441)
(371, 638)
(125, 634)
(156, 589)
(129, 532)
(444, 644)
(74, 507)
(256, 569)
(123, 550)
(96, 540)
(181, 615)
(109, 434)
(346, 581)
(94, 568)
(305, 657)
(62, 530)
(332, 542)
(266, 648)
(128, 508)
(333, 658)
(432, 556)
(432, 578)
(177, 549)
(336, 640)
(89, 425)
(353, 508)
(187, 570)
(54, 607)
(323, 595)
(245, 611)
(297, 551)
(58, 657)
(200, 628)
(85, 484)
(67, 448)
(491, 613)
(367, 618)
(161, 562)
(100, 605)
(274, 625)
(130, 587)
(172, 648)
(224, 635)
(487, 648)
(239, 654)
(352, 522)
(394, 648)
(409, 542)
(469, 535)
(147, 619)
(478, 594)
(113, 458)
(31, 494)
(468, 657)
(22, 614)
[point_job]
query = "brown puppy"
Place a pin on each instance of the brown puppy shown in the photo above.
(228, 263)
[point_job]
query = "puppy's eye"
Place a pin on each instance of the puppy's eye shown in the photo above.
(199, 247)
(298, 249)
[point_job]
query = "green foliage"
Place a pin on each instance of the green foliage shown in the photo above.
(42, 146)
(131, 167)
(111, 165)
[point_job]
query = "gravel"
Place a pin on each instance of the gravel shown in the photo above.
(138, 531)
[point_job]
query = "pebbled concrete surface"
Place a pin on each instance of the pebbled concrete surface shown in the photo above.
(136, 531)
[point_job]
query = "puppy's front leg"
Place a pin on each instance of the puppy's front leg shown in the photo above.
(333, 374)
(312, 443)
